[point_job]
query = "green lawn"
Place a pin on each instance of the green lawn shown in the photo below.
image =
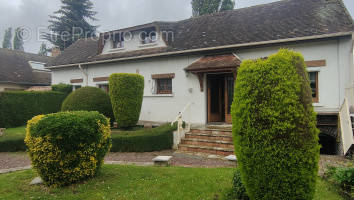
(12, 140)
(133, 182)
(14, 133)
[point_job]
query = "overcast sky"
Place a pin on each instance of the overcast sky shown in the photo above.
(112, 14)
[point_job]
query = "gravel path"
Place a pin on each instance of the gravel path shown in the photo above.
(20, 159)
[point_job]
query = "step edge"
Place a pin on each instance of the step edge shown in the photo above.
(204, 147)
(209, 141)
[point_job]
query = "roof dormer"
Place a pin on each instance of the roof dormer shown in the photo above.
(131, 39)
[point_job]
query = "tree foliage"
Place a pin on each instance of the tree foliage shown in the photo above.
(70, 23)
(227, 5)
(6, 44)
(203, 7)
(274, 128)
(18, 39)
(43, 51)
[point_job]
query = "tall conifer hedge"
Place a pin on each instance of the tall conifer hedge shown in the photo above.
(274, 128)
(126, 92)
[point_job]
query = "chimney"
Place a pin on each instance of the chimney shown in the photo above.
(55, 52)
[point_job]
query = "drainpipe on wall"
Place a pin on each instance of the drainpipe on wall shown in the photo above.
(85, 74)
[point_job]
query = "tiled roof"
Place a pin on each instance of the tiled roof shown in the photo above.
(14, 68)
(215, 62)
(268, 22)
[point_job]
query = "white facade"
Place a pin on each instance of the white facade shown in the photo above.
(333, 79)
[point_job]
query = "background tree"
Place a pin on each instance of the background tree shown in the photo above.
(43, 49)
(18, 39)
(6, 44)
(227, 5)
(204, 7)
(70, 23)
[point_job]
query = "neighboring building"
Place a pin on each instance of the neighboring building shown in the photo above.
(20, 70)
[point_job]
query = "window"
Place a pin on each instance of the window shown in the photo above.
(37, 66)
(164, 86)
(148, 37)
(163, 83)
(118, 41)
(75, 87)
(104, 88)
(314, 86)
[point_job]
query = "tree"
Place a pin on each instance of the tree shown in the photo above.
(69, 23)
(227, 5)
(18, 39)
(43, 49)
(6, 44)
(204, 7)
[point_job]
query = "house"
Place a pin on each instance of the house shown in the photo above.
(20, 70)
(191, 65)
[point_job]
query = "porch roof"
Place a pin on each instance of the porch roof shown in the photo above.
(215, 63)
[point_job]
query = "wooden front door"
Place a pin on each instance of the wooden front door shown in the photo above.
(220, 95)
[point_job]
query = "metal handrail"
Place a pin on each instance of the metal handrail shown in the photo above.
(179, 120)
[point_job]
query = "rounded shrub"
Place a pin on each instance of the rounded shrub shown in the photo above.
(68, 147)
(126, 92)
(89, 99)
(274, 128)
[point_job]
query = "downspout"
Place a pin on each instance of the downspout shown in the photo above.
(85, 74)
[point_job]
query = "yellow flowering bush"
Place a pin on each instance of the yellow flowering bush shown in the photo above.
(68, 147)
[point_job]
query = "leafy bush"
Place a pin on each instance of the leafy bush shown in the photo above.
(89, 99)
(238, 191)
(144, 140)
(68, 147)
(17, 107)
(126, 92)
(343, 176)
(274, 127)
(64, 88)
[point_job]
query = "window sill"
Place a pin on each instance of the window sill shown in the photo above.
(148, 45)
(317, 105)
(160, 95)
(117, 49)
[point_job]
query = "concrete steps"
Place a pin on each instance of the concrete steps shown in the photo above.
(208, 141)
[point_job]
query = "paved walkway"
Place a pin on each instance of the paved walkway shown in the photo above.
(20, 161)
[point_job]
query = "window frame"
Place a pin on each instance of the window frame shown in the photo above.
(315, 99)
(157, 78)
(150, 37)
(164, 91)
(118, 42)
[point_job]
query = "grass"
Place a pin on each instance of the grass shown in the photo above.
(133, 182)
(12, 140)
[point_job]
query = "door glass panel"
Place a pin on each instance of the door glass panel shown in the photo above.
(214, 97)
(230, 91)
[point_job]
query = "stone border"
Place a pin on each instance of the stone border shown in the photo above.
(4, 171)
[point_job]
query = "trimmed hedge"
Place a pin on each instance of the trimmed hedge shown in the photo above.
(64, 88)
(126, 92)
(274, 127)
(89, 99)
(68, 147)
(144, 140)
(17, 107)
